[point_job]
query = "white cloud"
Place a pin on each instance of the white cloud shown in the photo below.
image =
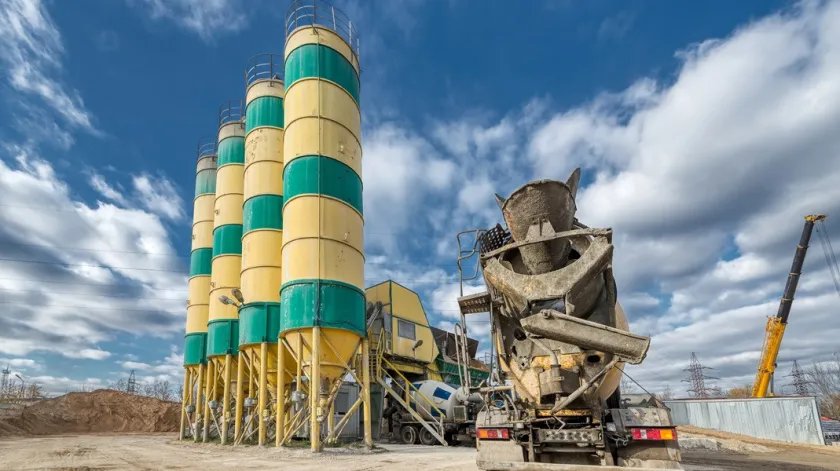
(399, 170)
(134, 365)
(206, 18)
(57, 385)
(110, 277)
(98, 183)
(31, 49)
(21, 363)
(158, 195)
(89, 353)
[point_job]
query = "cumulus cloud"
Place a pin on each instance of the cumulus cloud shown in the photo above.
(22, 364)
(92, 270)
(57, 385)
(206, 18)
(135, 365)
(158, 195)
(98, 183)
(31, 50)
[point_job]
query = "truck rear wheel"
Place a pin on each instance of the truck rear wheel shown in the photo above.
(408, 435)
(427, 438)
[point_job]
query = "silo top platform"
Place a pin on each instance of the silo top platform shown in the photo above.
(303, 13)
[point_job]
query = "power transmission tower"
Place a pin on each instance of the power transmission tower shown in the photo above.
(5, 386)
(131, 387)
(697, 380)
(800, 383)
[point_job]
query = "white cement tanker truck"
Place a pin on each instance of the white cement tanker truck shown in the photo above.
(453, 408)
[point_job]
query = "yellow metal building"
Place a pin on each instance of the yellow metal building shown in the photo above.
(409, 342)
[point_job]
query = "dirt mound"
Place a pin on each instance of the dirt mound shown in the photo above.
(94, 412)
(688, 431)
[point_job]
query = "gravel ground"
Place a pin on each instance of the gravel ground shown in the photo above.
(97, 452)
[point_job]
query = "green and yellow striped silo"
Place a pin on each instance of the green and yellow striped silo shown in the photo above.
(322, 297)
(262, 239)
(223, 324)
(198, 304)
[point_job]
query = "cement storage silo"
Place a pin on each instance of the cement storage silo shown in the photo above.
(262, 239)
(223, 324)
(198, 304)
(323, 298)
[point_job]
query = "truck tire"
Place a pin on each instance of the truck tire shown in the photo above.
(408, 435)
(427, 438)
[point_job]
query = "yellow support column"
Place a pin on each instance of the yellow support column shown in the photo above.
(280, 407)
(315, 391)
(263, 401)
(209, 395)
(201, 399)
(226, 400)
(240, 398)
(185, 400)
(366, 392)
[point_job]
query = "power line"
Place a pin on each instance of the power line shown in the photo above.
(81, 307)
(76, 210)
(87, 266)
(92, 295)
(86, 284)
(175, 255)
(45, 246)
(173, 271)
(830, 258)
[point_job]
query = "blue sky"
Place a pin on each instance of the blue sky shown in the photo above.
(705, 132)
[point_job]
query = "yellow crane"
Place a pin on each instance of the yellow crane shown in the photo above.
(775, 329)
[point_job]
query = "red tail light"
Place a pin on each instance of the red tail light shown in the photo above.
(653, 434)
(492, 433)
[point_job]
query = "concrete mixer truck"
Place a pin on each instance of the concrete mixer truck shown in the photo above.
(561, 339)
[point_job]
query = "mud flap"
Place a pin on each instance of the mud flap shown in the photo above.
(496, 452)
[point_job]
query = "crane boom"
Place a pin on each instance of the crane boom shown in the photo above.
(775, 329)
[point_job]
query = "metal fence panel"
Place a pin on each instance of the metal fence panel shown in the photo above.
(788, 419)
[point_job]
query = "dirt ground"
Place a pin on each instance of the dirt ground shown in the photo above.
(97, 452)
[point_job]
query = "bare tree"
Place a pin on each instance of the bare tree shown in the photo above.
(158, 389)
(119, 385)
(824, 379)
(627, 386)
(666, 394)
(739, 392)
(34, 391)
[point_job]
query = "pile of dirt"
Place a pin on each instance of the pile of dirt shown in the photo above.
(94, 412)
(689, 431)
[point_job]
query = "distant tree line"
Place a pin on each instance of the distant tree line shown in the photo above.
(157, 388)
